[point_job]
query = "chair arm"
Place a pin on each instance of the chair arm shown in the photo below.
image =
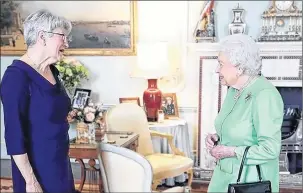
(169, 138)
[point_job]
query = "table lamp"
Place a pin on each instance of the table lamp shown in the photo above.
(152, 63)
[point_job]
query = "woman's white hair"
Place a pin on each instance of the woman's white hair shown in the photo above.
(43, 20)
(243, 52)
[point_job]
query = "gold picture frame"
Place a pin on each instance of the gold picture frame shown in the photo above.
(127, 34)
(170, 110)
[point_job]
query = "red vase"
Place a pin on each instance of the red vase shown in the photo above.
(152, 100)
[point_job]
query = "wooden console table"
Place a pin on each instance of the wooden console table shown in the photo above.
(89, 151)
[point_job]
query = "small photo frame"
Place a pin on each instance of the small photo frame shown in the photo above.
(80, 98)
(169, 105)
(130, 100)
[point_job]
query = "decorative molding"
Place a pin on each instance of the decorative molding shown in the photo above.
(265, 48)
(181, 109)
(200, 111)
(210, 49)
(188, 109)
(279, 48)
(285, 78)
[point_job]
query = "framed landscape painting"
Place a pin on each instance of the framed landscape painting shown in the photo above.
(107, 28)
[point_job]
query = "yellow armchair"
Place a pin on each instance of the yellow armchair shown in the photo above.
(114, 174)
(131, 117)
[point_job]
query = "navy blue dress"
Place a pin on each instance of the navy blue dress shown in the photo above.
(35, 119)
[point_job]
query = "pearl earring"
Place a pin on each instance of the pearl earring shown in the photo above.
(240, 71)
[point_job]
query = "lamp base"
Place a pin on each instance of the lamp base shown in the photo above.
(152, 119)
(152, 114)
(152, 99)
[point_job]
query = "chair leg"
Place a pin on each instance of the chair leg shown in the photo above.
(190, 177)
(155, 184)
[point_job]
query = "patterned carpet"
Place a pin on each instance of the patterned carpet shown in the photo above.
(7, 186)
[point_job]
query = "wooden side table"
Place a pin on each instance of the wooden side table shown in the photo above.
(89, 151)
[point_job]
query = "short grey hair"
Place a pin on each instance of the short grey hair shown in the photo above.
(43, 20)
(243, 52)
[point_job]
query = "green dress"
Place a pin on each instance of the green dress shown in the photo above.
(255, 120)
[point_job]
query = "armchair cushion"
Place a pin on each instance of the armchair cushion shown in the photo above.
(168, 165)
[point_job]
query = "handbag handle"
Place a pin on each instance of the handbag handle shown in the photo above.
(242, 163)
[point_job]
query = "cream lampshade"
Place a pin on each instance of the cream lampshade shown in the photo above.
(152, 60)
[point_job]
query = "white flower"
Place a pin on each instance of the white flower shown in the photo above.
(79, 113)
(99, 106)
(100, 114)
(90, 117)
(86, 110)
(92, 110)
(90, 104)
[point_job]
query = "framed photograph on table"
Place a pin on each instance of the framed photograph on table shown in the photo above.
(135, 100)
(80, 98)
(170, 105)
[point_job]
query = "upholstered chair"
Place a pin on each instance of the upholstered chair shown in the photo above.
(123, 170)
(131, 117)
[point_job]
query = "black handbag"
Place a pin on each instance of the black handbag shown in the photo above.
(249, 187)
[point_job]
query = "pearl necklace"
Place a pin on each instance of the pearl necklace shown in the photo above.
(240, 91)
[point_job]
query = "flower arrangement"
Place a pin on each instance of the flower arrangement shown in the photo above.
(91, 113)
(72, 73)
(89, 122)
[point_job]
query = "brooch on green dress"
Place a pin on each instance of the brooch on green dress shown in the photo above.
(248, 97)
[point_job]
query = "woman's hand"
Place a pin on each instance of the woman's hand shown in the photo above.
(70, 119)
(71, 116)
(24, 166)
(222, 151)
(210, 140)
(33, 187)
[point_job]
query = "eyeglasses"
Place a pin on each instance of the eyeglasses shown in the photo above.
(64, 37)
(220, 65)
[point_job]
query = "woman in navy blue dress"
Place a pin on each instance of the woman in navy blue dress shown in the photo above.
(35, 108)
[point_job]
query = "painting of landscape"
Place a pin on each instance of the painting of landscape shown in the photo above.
(99, 27)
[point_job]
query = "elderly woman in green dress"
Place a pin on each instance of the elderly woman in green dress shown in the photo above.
(251, 115)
